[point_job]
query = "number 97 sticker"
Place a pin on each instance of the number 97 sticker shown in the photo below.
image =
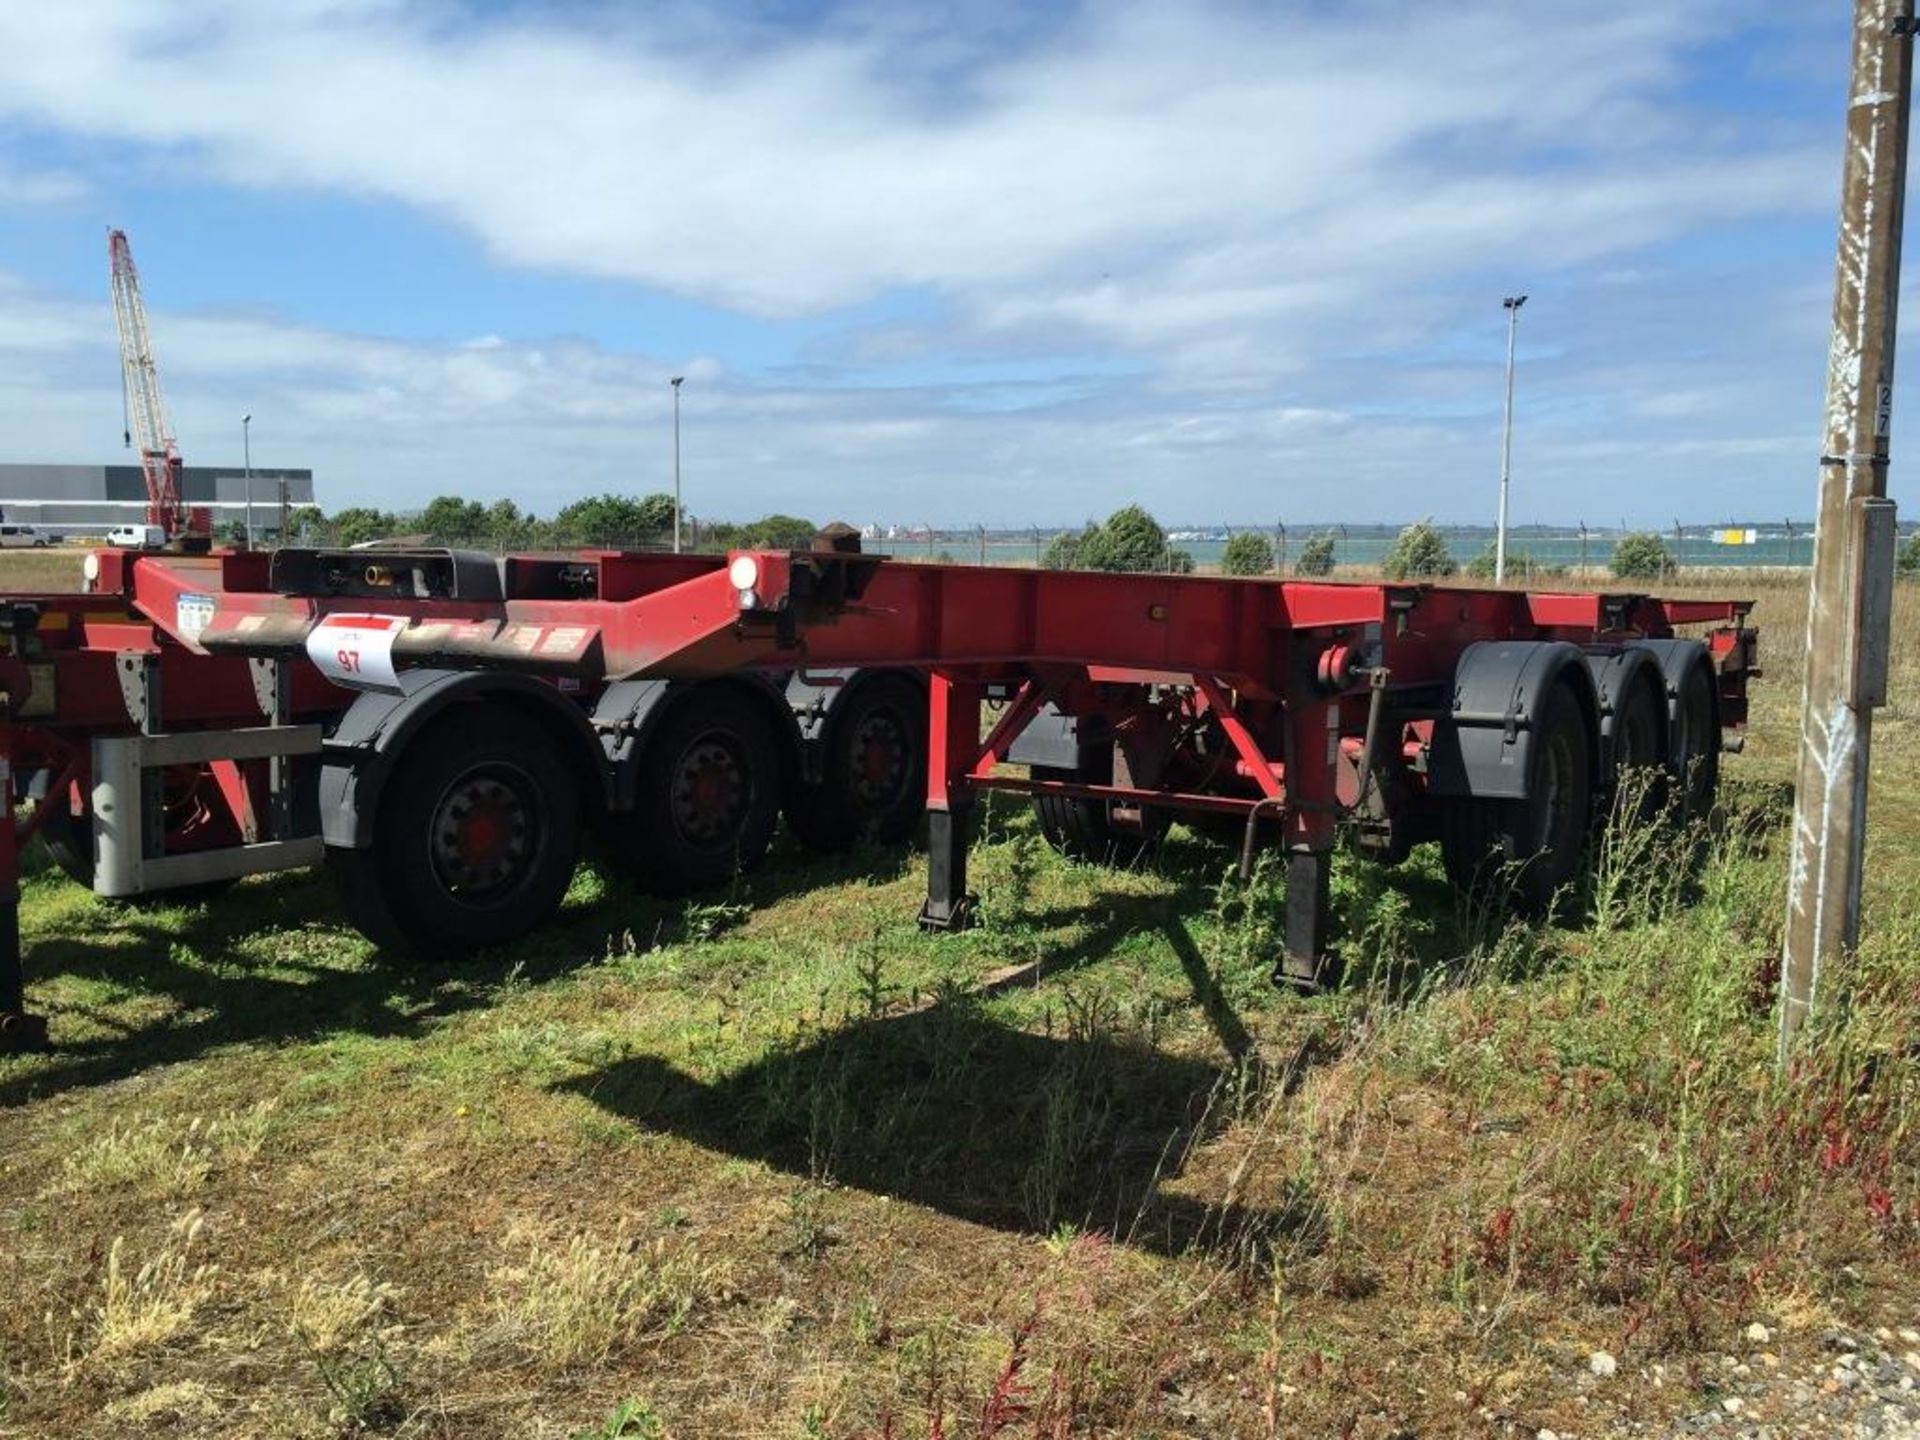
(356, 650)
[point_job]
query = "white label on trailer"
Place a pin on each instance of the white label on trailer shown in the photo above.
(563, 640)
(356, 650)
(191, 614)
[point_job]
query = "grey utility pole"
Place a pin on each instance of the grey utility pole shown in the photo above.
(1512, 306)
(1849, 608)
(246, 450)
(676, 382)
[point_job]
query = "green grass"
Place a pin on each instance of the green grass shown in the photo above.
(782, 1165)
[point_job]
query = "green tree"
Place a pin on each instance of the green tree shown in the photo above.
(1520, 565)
(1128, 540)
(360, 523)
(1063, 551)
(1247, 553)
(1316, 557)
(507, 526)
(448, 517)
(779, 532)
(1418, 553)
(1641, 556)
(1908, 560)
(614, 520)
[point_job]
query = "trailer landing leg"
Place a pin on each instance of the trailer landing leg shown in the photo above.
(949, 906)
(19, 1031)
(1304, 959)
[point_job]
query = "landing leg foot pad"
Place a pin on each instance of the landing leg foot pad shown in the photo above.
(962, 914)
(22, 1034)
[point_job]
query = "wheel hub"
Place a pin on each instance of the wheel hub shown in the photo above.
(709, 792)
(482, 835)
(879, 760)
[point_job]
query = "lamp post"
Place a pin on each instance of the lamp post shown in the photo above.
(676, 382)
(1512, 306)
(246, 450)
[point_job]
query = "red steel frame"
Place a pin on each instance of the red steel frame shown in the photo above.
(1273, 658)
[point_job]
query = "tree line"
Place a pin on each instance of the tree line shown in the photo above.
(610, 520)
(1129, 539)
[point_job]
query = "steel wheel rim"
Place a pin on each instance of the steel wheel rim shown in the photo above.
(879, 759)
(484, 834)
(710, 791)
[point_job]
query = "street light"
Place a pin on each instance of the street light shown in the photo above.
(676, 382)
(1512, 306)
(246, 448)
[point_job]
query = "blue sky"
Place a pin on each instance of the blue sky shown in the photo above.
(1001, 263)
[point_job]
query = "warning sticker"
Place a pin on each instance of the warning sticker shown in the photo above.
(356, 650)
(563, 640)
(191, 614)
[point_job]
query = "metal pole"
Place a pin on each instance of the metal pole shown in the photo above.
(246, 449)
(1512, 306)
(676, 383)
(1849, 605)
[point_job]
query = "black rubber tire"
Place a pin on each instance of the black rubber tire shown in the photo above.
(70, 843)
(1638, 755)
(673, 843)
(873, 773)
(1085, 829)
(1527, 850)
(69, 840)
(407, 892)
(1693, 760)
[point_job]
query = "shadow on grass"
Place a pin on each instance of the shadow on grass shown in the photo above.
(190, 965)
(947, 1108)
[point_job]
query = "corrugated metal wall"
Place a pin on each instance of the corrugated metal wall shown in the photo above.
(98, 496)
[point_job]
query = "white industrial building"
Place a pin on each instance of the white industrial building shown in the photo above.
(91, 499)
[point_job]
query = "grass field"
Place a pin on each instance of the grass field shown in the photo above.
(776, 1164)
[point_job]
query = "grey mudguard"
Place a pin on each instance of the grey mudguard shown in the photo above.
(629, 710)
(1050, 739)
(1615, 674)
(359, 756)
(1484, 745)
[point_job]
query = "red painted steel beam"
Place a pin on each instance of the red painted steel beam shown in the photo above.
(685, 616)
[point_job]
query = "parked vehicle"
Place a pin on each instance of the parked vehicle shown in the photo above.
(23, 537)
(442, 727)
(137, 537)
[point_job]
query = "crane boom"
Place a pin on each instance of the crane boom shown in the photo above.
(148, 428)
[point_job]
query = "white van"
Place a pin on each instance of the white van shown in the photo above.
(137, 537)
(23, 537)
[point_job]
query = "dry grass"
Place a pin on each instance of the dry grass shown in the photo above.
(160, 1155)
(577, 1303)
(332, 1317)
(796, 1179)
(142, 1308)
(43, 570)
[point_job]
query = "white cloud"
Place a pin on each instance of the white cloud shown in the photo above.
(39, 189)
(1260, 219)
(800, 174)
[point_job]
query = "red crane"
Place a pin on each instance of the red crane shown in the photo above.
(147, 426)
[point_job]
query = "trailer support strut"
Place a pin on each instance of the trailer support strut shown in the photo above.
(953, 745)
(1304, 958)
(19, 1031)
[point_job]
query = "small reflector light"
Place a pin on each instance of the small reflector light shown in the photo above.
(744, 572)
(90, 570)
